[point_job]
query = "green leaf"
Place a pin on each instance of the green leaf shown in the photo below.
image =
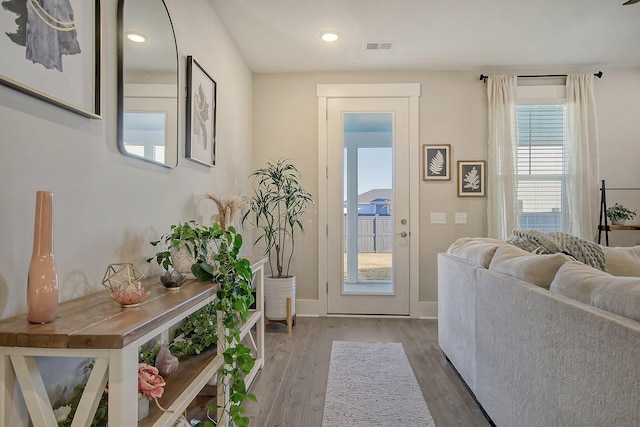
(241, 421)
(237, 410)
(200, 273)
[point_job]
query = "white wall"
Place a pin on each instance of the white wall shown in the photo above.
(107, 207)
(452, 111)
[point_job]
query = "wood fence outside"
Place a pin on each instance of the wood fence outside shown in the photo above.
(375, 234)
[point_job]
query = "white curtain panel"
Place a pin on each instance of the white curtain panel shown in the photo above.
(582, 156)
(501, 165)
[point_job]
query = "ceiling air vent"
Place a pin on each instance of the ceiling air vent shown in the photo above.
(378, 46)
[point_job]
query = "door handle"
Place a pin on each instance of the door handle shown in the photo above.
(402, 234)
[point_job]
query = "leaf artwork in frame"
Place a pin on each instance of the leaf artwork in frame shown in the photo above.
(471, 178)
(436, 164)
(200, 144)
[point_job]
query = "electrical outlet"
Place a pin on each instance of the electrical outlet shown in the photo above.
(438, 218)
(461, 217)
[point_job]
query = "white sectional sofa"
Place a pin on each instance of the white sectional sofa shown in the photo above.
(533, 356)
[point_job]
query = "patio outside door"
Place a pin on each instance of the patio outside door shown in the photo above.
(368, 206)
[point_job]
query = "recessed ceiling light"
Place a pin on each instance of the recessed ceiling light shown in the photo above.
(329, 36)
(136, 37)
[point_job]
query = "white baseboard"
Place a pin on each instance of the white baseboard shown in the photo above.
(311, 308)
(427, 310)
(308, 308)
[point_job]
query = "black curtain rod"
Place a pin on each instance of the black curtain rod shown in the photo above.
(484, 78)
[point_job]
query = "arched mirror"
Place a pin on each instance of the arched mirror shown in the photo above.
(147, 82)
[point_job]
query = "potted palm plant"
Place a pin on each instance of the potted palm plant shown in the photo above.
(276, 210)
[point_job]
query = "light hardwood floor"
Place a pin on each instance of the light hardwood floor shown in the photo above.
(290, 388)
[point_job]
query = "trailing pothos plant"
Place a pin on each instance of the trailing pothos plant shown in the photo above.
(195, 334)
(233, 275)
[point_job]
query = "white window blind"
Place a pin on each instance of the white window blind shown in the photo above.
(541, 166)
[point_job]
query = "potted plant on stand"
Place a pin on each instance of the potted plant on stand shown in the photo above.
(276, 210)
(618, 214)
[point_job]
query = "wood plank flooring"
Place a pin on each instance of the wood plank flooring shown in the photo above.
(290, 388)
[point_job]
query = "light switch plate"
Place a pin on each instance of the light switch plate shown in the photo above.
(461, 217)
(438, 218)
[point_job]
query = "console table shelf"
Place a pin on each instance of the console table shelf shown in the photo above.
(97, 327)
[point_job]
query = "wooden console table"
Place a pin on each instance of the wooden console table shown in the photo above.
(96, 327)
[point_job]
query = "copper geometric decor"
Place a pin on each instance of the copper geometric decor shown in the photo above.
(123, 283)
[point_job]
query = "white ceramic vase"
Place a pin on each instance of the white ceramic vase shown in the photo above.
(276, 292)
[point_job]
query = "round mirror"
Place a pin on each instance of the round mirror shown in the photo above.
(147, 82)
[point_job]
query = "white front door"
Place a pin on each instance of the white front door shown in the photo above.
(368, 206)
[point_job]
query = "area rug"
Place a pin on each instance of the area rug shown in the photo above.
(372, 384)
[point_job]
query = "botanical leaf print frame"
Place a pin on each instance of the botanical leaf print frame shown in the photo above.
(436, 162)
(201, 115)
(471, 178)
(51, 51)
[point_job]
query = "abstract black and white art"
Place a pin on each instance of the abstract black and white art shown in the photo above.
(51, 50)
(436, 162)
(201, 115)
(471, 178)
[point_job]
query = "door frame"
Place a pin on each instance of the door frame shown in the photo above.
(411, 91)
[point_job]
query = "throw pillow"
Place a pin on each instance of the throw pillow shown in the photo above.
(476, 250)
(622, 261)
(617, 294)
(536, 269)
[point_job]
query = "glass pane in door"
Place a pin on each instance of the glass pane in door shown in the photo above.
(368, 203)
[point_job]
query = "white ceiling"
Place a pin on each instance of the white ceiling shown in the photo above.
(283, 35)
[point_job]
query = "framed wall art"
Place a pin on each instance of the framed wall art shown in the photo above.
(201, 115)
(436, 162)
(471, 178)
(51, 51)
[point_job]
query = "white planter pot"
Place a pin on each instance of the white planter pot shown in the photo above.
(276, 292)
(181, 259)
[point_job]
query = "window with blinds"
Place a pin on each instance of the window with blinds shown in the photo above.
(541, 166)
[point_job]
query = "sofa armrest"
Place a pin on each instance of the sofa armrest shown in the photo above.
(456, 314)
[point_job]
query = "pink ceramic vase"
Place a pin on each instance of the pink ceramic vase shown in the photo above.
(42, 283)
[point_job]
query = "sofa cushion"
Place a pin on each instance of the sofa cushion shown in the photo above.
(622, 261)
(476, 250)
(536, 269)
(616, 294)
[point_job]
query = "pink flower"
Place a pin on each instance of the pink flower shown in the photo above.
(150, 382)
